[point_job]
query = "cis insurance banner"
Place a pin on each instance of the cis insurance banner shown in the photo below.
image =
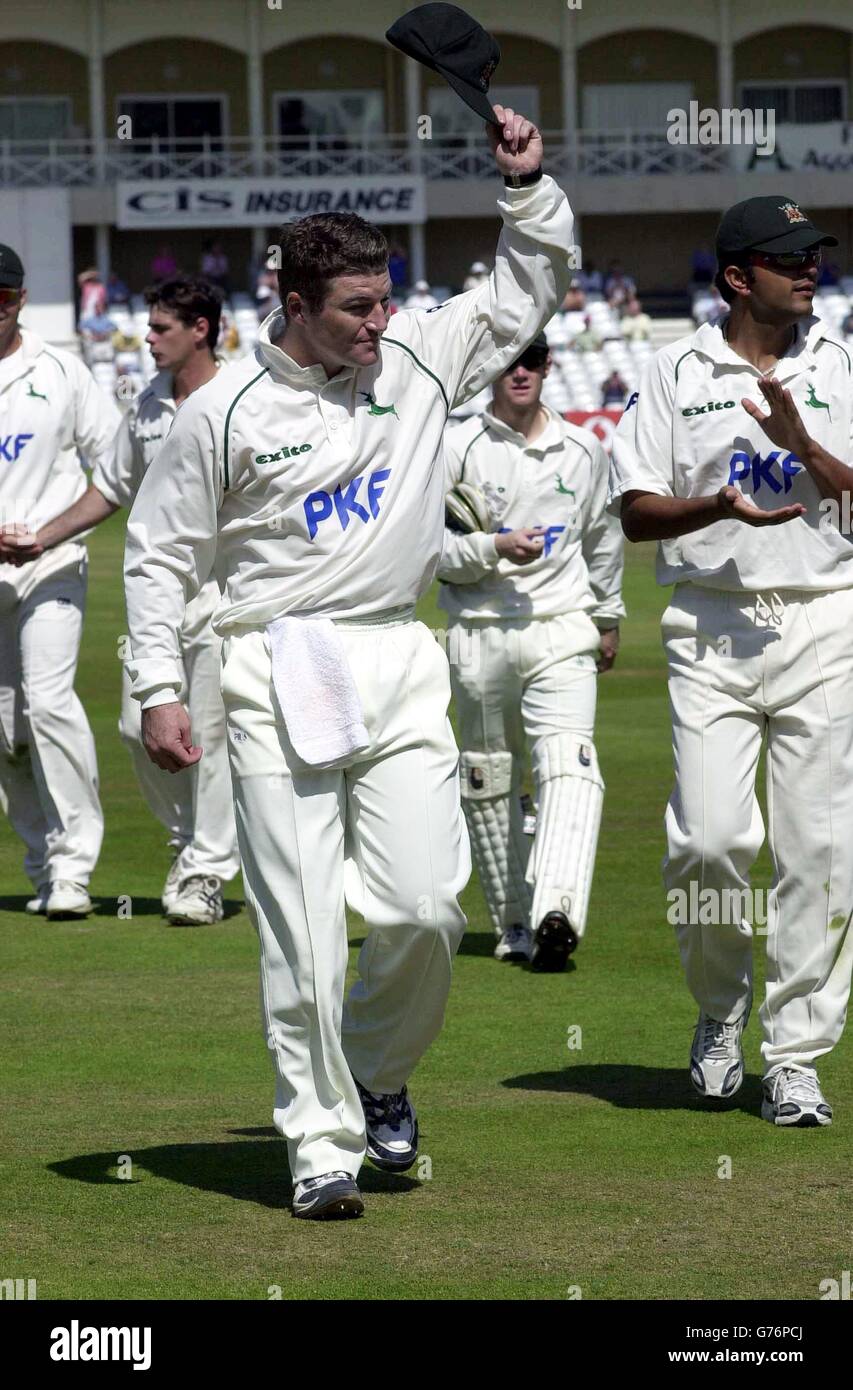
(601, 422)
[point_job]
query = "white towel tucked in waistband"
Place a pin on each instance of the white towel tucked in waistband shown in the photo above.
(316, 691)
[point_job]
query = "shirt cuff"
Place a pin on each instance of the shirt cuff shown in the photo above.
(160, 697)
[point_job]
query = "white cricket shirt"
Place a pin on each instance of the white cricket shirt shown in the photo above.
(325, 496)
(118, 473)
(51, 412)
(686, 434)
(559, 481)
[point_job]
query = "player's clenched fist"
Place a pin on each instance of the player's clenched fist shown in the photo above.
(167, 737)
(516, 144)
(520, 547)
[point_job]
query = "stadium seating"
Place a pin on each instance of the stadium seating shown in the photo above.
(574, 383)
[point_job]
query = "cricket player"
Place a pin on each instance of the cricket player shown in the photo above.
(534, 602)
(311, 474)
(51, 412)
(196, 810)
(735, 456)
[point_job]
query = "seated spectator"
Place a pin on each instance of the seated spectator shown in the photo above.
(614, 390)
(163, 265)
(588, 340)
(476, 275)
(214, 264)
(829, 274)
(266, 293)
(847, 325)
(589, 279)
(398, 267)
(97, 332)
(575, 300)
(420, 298)
(709, 306)
(93, 295)
(572, 311)
(229, 339)
(127, 347)
(117, 291)
(618, 287)
(97, 326)
(636, 326)
(703, 265)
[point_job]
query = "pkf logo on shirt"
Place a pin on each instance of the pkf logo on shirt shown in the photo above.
(762, 469)
(319, 506)
(13, 445)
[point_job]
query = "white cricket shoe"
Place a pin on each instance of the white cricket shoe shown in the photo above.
(67, 899)
(716, 1058)
(792, 1096)
(198, 902)
(392, 1128)
(331, 1197)
(37, 906)
(515, 944)
(172, 884)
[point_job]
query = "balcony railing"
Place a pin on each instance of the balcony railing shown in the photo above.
(586, 153)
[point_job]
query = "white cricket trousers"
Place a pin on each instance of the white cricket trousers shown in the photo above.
(514, 681)
(194, 806)
(48, 767)
(394, 812)
(743, 667)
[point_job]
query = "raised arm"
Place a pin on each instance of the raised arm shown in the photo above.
(470, 339)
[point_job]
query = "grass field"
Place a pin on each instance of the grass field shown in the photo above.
(552, 1170)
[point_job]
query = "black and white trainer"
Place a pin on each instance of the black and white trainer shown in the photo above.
(716, 1057)
(331, 1197)
(792, 1096)
(553, 943)
(515, 943)
(392, 1129)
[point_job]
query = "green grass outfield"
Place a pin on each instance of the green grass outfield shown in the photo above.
(551, 1169)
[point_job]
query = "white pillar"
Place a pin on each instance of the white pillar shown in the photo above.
(97, 125)
(414, 109)
(569, 71)
(96, 85)
(725, 57)
(255, 81)
(255, 90)
(102, 250)
(569, 94)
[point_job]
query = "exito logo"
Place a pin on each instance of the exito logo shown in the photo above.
(708, 407)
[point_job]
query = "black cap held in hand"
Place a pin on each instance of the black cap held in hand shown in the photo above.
(449, 41)
(772, 224)
(11, 269)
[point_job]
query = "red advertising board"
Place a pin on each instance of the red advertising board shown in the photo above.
(601, 422)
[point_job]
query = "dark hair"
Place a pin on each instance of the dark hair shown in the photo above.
(721, 282)
(316, 249)
(189, 297)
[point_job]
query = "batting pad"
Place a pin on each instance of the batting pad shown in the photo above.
(571, 796)
(498, 844)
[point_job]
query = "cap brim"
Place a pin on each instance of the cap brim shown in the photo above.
(797, 239)
(471, 95)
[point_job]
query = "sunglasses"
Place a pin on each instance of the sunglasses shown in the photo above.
(532, 360)
(788, 260)
(8, 296)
